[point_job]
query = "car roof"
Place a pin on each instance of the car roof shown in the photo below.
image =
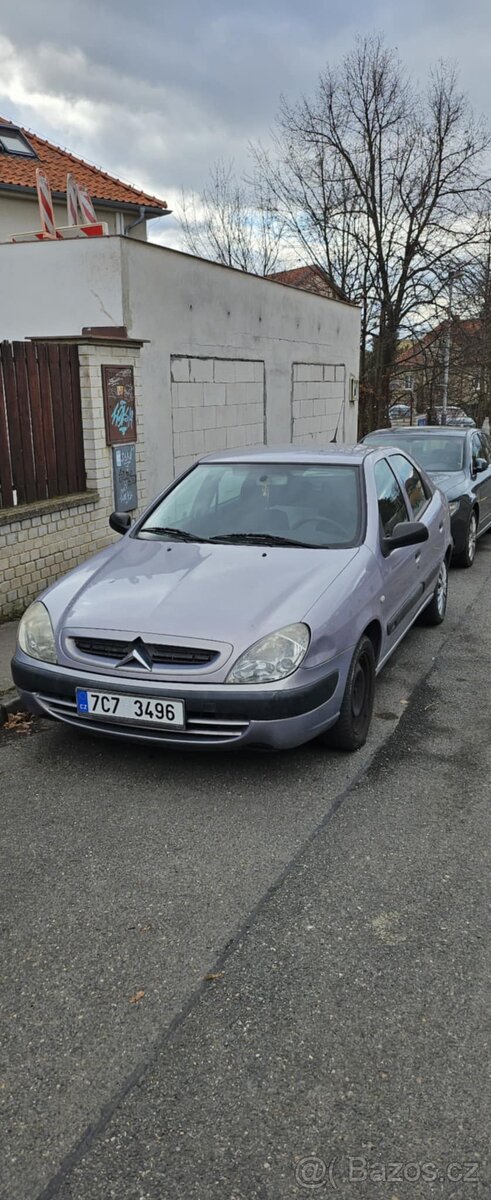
(439, 430)
(331, 453)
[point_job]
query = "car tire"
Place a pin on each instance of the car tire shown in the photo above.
(468, 554)
(434, 613)
(351, 729)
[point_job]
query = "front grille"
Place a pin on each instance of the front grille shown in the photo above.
(172, 656)
(215, 729)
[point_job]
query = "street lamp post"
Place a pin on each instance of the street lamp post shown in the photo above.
(446, 353)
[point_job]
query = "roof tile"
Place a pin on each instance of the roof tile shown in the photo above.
(21, 172)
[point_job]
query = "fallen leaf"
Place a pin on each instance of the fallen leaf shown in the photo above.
(214, 975)
(389, 928)
(137, 997)
(19, 722)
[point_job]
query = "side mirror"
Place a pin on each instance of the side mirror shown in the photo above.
(406, 533)
(480, 465)
(120, 522)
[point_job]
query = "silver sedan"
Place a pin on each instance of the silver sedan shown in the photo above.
(252, 604)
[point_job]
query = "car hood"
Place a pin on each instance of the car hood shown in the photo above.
(452, 483)
(229, 593)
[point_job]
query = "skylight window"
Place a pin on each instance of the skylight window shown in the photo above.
(12, 141)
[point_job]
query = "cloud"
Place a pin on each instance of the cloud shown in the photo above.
(156, 93)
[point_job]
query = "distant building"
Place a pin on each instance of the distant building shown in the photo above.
(418, 375)
(310, 279)
(125, 209)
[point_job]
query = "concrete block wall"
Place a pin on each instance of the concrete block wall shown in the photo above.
(217, 404)
(41, 541)
(318, 401)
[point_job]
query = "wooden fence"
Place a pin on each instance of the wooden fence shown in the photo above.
(41, 437)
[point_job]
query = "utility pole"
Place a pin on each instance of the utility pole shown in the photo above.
(446, 352)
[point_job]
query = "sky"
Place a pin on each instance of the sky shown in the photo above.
(156, 91)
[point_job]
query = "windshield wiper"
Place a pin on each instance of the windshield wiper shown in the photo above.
(181, 534)
(263, 539)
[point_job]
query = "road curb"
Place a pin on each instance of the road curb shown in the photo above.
(9, 703)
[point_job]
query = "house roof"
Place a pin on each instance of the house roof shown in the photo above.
(18, 172)
(463, 334)
(310, 279)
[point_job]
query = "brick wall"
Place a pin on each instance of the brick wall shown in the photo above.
(41, 541)
(217, 404)
(318, 394)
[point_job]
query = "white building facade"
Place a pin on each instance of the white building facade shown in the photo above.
(226, 360)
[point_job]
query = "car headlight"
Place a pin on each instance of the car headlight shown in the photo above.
(35, 635)
(273, 657)
(453, 505)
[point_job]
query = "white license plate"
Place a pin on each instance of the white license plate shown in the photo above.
(115, 707)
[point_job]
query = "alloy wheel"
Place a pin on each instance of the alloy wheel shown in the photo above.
(472, 537)
(441, 588)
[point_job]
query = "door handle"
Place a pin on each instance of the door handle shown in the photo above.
(417, 557)
(440, 528)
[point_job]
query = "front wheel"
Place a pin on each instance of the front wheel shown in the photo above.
(468, 554)
(351, 729)
(434, 613)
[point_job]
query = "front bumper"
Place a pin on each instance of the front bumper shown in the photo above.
(217, 716)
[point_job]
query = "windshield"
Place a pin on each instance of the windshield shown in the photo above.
(434, 452)
(303, 504)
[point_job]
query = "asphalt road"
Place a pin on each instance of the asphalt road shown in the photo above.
(341, 901)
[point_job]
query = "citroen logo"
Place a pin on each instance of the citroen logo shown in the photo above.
(138, 654)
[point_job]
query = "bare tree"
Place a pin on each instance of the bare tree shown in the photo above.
(232, 222)
(323, 223)
(380, 181)
(473, 303)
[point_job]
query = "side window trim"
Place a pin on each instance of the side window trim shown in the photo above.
(402, 492)
(428, 494)
(484, 444)
(475, 450)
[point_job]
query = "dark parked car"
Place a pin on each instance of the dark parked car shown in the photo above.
(462, 422)
(399, 410)
(253, 603)
(459, 462)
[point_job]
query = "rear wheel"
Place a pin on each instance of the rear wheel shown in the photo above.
(468, 554)
(435, 611)
(351, 729)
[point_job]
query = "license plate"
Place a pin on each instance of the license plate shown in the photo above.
(117, 707)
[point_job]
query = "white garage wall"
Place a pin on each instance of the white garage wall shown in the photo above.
(184, 308)
(217, 404)
(318, 402)
(194, 309)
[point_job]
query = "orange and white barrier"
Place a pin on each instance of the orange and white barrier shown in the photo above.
(71, 199)
(95, 229)
(86, 206)
(64, 232)
(77, 198)
(46, 209)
